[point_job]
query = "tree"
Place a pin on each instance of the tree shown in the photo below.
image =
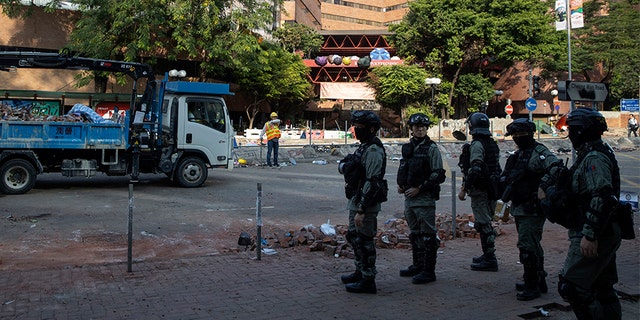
(214, 33)
(398, 86)
(453, 38)
(296, 36)
(272, 75)
(223, 36)
(610, 41)
(473, 90)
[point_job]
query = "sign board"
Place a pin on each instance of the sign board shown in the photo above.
(531, 104)
(508, 109)
(582, 91)
(630, 105)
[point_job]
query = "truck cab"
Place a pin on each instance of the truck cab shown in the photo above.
(196, 128)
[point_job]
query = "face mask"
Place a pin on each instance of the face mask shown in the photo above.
(575, 135)
(363, 134)
(523, 142)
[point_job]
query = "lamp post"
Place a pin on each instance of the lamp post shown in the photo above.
(433, 82)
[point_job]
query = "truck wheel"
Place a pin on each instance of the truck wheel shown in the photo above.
(18, 176)
(191, 172)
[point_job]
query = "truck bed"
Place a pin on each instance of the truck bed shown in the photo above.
(62, 135)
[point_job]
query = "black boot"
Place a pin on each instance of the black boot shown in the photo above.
(542, 285)
(428, 273)
(478, 259)
(482, 262)
(366, 285)
(417, 254)
(351, 278)
(530, 263)
(528, 294)
(490, 263)
(356, 276)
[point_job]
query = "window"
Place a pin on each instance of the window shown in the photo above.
(207, 112)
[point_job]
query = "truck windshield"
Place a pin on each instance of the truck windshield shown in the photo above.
(207, 112)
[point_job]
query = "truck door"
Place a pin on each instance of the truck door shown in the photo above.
(206, 127)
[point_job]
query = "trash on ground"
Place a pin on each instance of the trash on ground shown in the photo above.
(328, 229)
(543, 312)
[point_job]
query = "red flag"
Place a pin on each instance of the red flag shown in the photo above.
(562, 123)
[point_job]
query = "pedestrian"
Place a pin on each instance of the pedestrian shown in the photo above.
(419, 177)
(632, 126)
(522, 175)
(593, 182)
(272, 130)
(480, 166)
(365, 188)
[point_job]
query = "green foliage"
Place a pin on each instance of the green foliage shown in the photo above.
(472, 90)
(273, 75)
(397, 86)
(299, 37)
(456, 37)
(609, 41)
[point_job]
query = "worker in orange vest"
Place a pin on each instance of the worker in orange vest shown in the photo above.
(272, 130)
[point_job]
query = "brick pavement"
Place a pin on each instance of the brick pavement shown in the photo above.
(296, 284)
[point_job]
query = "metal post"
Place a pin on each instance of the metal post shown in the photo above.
(309, 122)
(346, 132)
(530, 91)
(259, 221)
(130, 229)
(453, 204)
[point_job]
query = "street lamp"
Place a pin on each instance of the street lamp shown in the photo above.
(433, 82)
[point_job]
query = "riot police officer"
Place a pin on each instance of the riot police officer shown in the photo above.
(481, 170)
(365, 188)
(522, 175)
(419, 177)
(589, 272)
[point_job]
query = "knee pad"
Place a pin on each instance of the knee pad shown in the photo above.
(573, 293)
(484, 229)
(431, 241)
(351, 237)
(367, 243)
(527, 258)
(566, 289)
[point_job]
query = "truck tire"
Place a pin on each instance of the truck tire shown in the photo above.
(18, 176)
(191, 172)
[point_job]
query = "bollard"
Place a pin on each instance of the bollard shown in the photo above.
(453, 204)
(130, 229)
(259, 221)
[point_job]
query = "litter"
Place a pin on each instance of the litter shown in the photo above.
(543, 312)
(268, 251)
(328, 229)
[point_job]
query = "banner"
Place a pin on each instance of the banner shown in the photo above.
(346, 90)
(576, 14)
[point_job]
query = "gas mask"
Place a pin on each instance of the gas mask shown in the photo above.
(524, 142)
(363, 134)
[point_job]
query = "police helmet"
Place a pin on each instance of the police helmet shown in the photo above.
(521, 125)
(419, 119)
(478, 124)
(585, 124)
(365, 117)
(587, 118)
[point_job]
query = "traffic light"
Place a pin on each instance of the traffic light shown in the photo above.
(536, 86)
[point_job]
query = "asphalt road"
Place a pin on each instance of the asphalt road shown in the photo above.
(74, 221)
